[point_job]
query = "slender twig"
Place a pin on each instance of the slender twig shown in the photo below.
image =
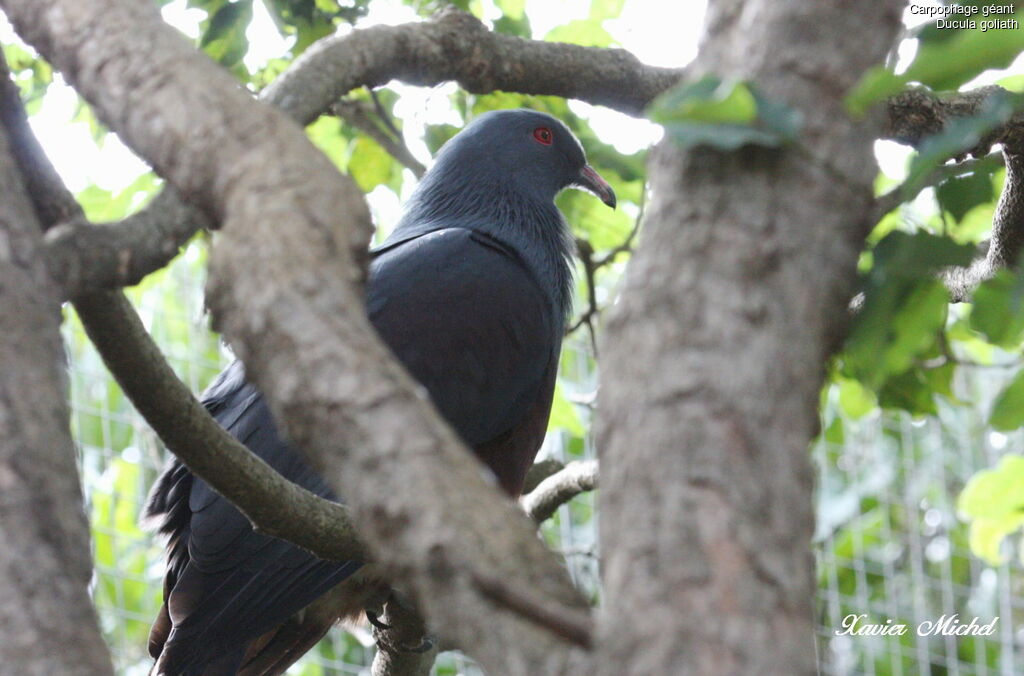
(590, 267)
(355, 113)
(905, 192)
(559, 488)
(383, 114)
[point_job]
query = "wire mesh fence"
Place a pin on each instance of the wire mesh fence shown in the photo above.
(889, 545)
(891, 550)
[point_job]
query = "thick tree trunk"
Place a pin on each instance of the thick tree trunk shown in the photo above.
(47, 622)
(714, 358)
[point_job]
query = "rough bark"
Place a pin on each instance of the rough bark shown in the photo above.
(404, 648)
(274, 505)
(715, 355)
(559, 488)
(285, 289)
(47, 621)
(1007, 240)
(914, 115)
(83, 258)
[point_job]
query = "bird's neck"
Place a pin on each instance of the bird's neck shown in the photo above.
(532, 227)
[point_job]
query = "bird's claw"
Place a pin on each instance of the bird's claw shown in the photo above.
(374, 618)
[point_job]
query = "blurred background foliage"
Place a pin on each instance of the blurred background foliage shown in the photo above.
(919, 462)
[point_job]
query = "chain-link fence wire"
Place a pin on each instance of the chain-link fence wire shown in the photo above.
(888, 543)
(890, 546)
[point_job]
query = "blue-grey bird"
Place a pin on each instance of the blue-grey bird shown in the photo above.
(471, 292)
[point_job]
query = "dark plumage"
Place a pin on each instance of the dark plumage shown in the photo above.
(471, 292)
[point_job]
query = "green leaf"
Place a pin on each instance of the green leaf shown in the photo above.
(918, 255)
(1013, 83)
(952, 62)
(877, 84)
(224, 37)
(585, 32)
(328, 134)
(563, 414)
(437, 135)
(904, 309)
(519, 27)
(708, 100)
(604, 228)
(997, 311)
(960, 135)
(102, 206)
(993, 501)
(724, 115)
(908, 391)
(961, 194)
(606, 9)
(513, 9)
(834, 432)
(940, 379)
(369, 164)
(855, 399)
(1008, 410)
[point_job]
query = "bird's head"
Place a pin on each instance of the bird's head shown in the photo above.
(531, 152)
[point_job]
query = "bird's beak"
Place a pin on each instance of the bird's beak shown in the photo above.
(589, 179)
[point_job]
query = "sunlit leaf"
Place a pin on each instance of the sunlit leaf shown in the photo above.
(563, 414)
(960, 194)
(855, 399)
(1008, 410)
(877, 84)
(998, 309)
(224, 36)
(951, 63)
(369, 164)
(723, 114)
(993, 500)
(585, 32)
(959, 136)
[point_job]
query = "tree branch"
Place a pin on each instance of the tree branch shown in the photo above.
(455, 46)
(1007, 240)
(713, 357)
(297, 319)
(559, 488)
(900, 194)
(918, 113)
(81, 258)
(47, 621)
(404, 647)
(275, 505)
(915, 115)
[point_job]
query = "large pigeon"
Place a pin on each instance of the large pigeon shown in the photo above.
(471, 292)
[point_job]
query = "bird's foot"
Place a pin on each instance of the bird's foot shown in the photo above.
(373, 617)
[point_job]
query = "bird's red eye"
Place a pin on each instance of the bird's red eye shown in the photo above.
(543, 135)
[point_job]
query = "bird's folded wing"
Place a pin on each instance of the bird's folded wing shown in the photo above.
(470, 322)
(226, 583)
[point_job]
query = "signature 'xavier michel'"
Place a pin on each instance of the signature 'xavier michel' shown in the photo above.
(471, 292)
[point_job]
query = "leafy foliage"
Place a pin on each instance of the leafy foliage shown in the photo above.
(960, 135)
(946, 58)
(993, 500)
(724, 115)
